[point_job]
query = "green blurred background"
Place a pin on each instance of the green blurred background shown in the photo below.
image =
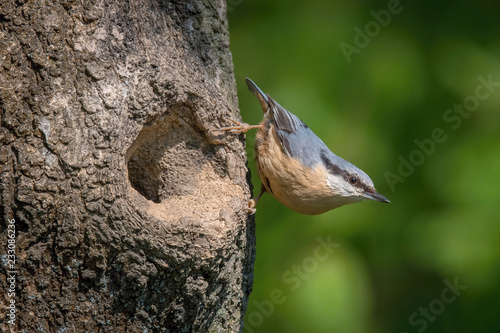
(443, 223)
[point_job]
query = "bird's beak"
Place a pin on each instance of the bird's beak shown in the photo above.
(376, 196)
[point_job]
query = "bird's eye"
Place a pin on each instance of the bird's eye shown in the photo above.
(353, 180)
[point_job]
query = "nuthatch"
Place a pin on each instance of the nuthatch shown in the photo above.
(297, 168)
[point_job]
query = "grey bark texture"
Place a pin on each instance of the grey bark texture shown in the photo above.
(128, 211)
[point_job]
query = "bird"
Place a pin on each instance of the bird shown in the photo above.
(296, 166)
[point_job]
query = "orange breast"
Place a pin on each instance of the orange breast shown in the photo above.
(299, 188)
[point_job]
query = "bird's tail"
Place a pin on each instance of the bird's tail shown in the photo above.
(263, 98)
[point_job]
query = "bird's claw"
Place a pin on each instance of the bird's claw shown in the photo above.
(251, 207)
(238, 128)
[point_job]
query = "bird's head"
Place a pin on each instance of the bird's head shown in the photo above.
(349, 183)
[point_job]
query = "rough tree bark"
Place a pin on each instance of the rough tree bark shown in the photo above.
(128, 212)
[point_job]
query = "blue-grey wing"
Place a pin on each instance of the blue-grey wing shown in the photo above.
(297, 139)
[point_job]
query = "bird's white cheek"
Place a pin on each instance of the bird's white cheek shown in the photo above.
(339, 186)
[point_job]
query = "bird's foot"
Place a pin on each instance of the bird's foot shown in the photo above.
(239, 127)
(251, 207)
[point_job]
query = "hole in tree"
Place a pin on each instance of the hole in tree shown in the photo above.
(143, 174)
(164, 160)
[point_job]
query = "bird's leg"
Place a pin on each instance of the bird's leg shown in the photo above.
(238, 127)
(253, 202)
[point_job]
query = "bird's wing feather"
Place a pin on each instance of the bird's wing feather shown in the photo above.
(296, 138)
(284, 120)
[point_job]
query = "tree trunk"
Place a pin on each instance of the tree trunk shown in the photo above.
(127, 212)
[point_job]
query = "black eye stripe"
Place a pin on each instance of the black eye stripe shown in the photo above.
(332, 168)
(335, 170)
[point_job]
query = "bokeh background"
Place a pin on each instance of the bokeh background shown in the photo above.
(387, 273)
